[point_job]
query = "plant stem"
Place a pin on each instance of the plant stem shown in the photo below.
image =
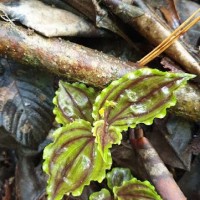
(155, 168)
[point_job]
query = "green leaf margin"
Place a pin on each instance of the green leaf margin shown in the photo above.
(103, 194)
(100, 103)
(137, 189)
(99, 167)
(89, 92)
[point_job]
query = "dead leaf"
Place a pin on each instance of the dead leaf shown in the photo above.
(100, 16)
(169, 64)
(48, 20)
(24, 118)
(185, 9)
(194, 146)
(171, 138)
(30, 179)
(190, 182)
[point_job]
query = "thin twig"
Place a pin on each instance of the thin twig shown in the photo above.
(170, 40)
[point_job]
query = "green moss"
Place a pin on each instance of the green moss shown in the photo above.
(31, 60)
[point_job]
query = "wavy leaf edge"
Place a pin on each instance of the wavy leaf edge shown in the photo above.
(132, 75)
(97, 114)
(150, 189)
(101, 104)
(92, 176)
(59, 115)
(103, 194)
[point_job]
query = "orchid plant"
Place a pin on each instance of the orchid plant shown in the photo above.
(92, 122)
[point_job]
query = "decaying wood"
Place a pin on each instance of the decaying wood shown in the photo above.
(188, 105)
(154, 31)
(155, 168)
(79, 63)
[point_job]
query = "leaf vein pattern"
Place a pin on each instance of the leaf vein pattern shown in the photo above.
(55, 153)
(58, 181)
(75, 104)
(149, 111)
(141, 99)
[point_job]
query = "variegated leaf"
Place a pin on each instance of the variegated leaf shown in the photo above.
(137, 190)
(73, 160)
(117, 176)
(73, 101)
(137, 97)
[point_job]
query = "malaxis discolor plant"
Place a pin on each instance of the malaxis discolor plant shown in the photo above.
(92, 123)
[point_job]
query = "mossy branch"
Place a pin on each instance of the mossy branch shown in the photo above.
(79, 63)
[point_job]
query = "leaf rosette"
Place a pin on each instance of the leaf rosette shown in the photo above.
(80, 153)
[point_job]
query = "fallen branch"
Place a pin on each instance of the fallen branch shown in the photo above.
(60, 57)
(79, 63)
(155, 168)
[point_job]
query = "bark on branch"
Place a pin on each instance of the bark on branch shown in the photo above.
(79, 63)
(60, 57)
